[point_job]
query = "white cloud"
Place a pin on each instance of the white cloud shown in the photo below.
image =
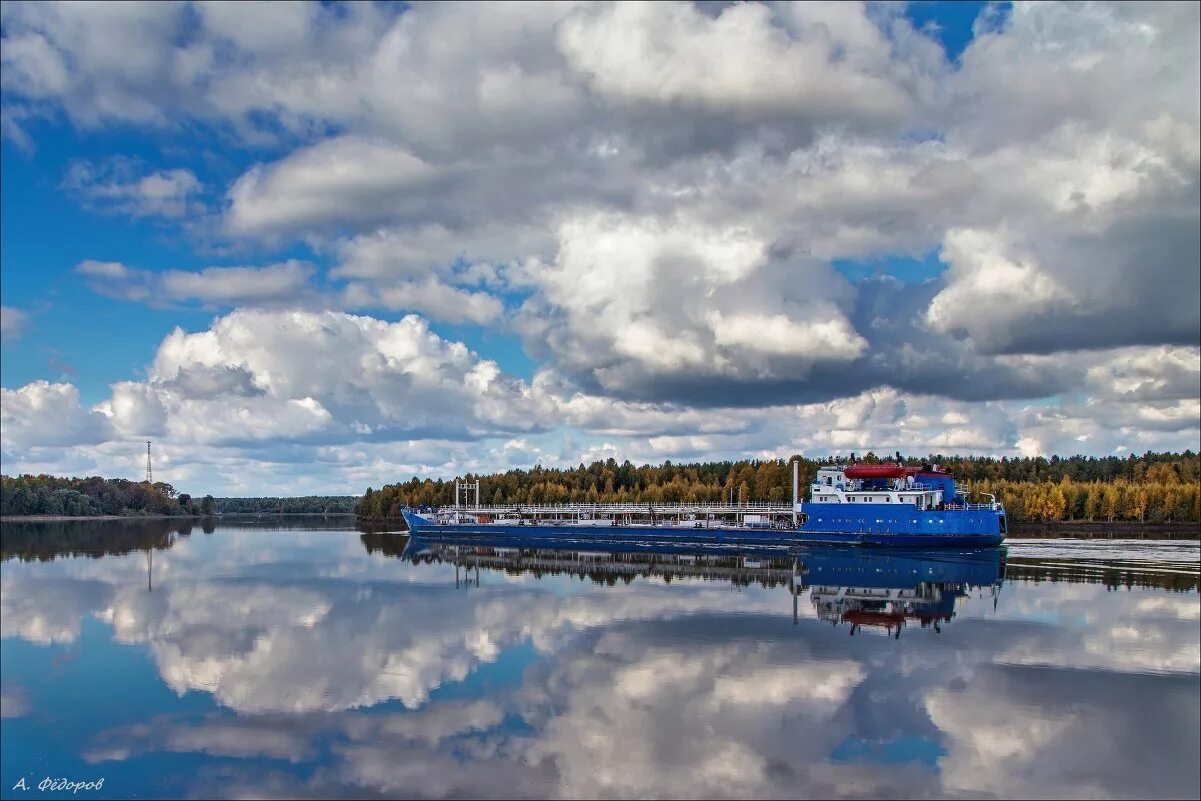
(339, 180)
(284, 283)
(118, 186)
(42, 414)
(663, 54)
(987, 285)
(430, 296)
(630, 301)
(12, 322)
(307, 372)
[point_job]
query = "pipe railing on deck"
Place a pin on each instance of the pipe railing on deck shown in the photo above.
(618, 508)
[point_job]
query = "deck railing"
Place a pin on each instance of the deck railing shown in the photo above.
(752, 507)
(976, 506)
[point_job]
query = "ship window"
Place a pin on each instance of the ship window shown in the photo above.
(829, 481)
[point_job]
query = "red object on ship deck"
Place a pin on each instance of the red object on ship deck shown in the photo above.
(864, 618)
(879, 471)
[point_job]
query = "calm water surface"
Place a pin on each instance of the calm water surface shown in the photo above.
(255, 660)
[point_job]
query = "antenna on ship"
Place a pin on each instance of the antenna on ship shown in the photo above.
(149, 473)
(796, 466)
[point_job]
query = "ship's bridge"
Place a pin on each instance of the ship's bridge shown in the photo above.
(891, 484)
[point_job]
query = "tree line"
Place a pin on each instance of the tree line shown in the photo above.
(311, 504)
(95, 496)
(1152, 487)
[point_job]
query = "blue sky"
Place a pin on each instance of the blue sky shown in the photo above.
(865, 226)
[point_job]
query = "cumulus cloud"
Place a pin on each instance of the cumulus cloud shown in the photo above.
(42, 414)
(284, 283)
(630, 302)
(283, 389)
(1105, 245)
(661, 54)
(295, 374)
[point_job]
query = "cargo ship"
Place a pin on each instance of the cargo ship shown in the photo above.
(888, 504)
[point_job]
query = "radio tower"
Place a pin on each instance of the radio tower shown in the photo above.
(149, 474)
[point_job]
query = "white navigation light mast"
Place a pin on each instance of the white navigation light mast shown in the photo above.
(470, 494)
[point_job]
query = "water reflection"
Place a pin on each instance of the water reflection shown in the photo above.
(46, 541)
(863, 588)
(332, 663)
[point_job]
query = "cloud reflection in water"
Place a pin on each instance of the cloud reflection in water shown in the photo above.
(334, 671)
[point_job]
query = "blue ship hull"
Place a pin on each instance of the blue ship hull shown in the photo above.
(879, 524)
(959, 529)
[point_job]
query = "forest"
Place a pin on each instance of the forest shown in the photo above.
(95, 496)
(309, 504)
(1151, 488)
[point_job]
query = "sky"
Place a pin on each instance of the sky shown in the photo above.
(306, 249)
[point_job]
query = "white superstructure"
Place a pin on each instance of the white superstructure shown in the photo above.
(833, 486)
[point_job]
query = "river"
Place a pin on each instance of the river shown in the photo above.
(298, 657)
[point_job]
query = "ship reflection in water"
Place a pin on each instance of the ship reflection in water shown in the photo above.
(290, 658)
(880, 590)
